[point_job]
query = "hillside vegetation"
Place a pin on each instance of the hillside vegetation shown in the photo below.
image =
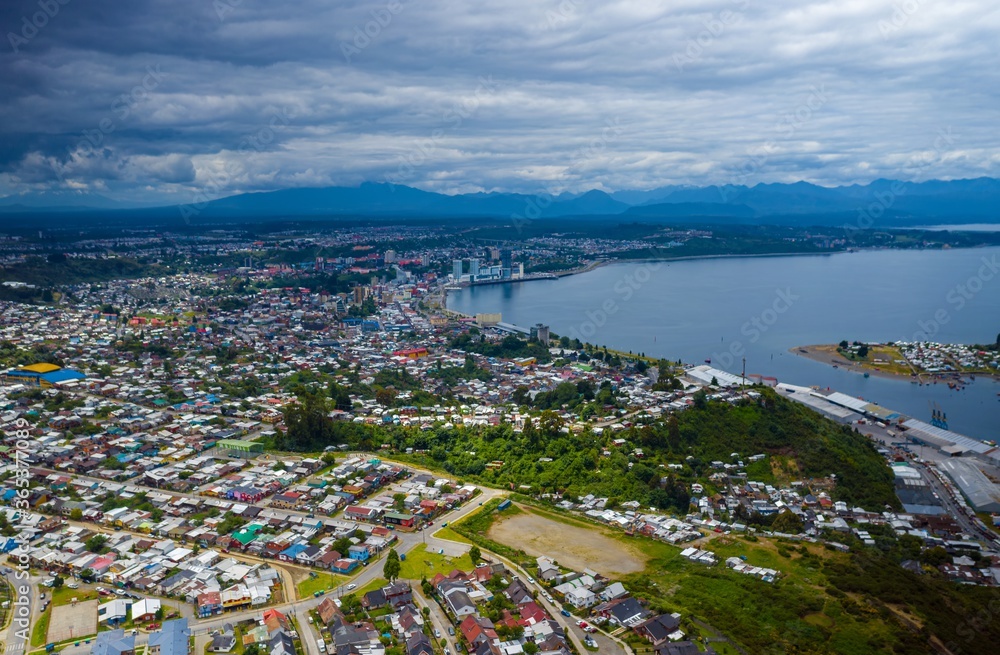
(547, 459)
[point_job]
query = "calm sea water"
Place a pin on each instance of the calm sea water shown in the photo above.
(729, 308)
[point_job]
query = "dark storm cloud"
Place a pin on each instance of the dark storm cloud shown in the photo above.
(175, 96)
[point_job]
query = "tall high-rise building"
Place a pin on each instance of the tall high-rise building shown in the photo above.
(390, 256)
(456, 268)
(506, 263)
(473, 267)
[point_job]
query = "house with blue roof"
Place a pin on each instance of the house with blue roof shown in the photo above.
(171, 639)
(290, 553)
(113, 642)
(359, 552)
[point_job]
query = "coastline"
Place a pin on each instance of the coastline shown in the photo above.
(593, 266)
(822, 353)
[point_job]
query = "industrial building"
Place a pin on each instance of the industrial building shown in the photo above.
(951, 443)
(863, 407)
(706, 374)
(983, 495)
(42, 375)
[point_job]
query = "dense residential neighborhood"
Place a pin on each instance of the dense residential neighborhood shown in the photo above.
(231, 457)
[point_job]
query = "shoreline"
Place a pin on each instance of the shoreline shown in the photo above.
(593, 266)
(820, 353)
(817, 353)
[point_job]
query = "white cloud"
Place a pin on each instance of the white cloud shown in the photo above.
(698, 87)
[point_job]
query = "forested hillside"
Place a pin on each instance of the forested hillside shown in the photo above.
(549, 459)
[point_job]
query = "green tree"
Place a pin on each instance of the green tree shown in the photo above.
(398, 502)
(475, 554)
(96, 543)
(935, 556)
(392, 566)
(385, 397)
(787, 522)
(57, 583)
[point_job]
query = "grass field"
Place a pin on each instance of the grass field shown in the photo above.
(451, 535)
(321, 582)
(41, 629)
(422, 563)
(64, 595)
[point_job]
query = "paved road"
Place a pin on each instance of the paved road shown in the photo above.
(949, 498)
(406, 541)
(438, 620)
(12, 642)
(300, 608)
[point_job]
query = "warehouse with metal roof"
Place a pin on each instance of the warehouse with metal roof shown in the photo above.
(939, 438)
(983, 495)
(42, 375)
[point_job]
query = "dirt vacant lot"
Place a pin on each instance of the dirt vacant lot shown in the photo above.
(73, 621)
(574, 547)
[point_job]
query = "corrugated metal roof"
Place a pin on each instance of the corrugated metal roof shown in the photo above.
(41, 368)
(921, 430)
(983, 494)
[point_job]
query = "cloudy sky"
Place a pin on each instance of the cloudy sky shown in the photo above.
(163, 100)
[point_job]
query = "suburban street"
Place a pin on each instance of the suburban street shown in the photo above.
(12, 642)
(406, 541)
(438, 620)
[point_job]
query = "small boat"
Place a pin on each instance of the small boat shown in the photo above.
(708, 361)
(867, 374)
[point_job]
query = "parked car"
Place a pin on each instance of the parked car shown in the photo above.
(351, 586)
(437, 633)
(451, 631)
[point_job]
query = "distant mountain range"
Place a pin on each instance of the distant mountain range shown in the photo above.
(887, 201)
